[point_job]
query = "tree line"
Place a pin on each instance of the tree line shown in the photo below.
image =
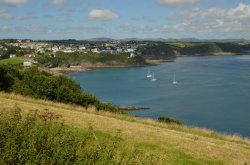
(40, 84)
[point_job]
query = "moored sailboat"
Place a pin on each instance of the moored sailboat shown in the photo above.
(149, 75)
(153, 77)
(174, 81)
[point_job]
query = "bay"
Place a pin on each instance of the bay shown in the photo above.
(212, 92)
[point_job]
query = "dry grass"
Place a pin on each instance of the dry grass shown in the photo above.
(174, 144)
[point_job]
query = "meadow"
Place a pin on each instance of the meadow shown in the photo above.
(14, 61)
(116, 138)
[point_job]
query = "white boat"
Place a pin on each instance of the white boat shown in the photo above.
(153, 77)
(174, 81)
(149, 75)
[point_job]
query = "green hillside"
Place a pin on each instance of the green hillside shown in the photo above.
(159, 50)
(156, 50)
(78, 58)
(88, 136)
(201, 49)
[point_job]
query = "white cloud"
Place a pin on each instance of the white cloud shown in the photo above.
(197, 12)
(36, 29)
(210, 29)
(139, 18)
(214, 20)
(129, 28)
(57, 2)
(102, 15)
(5, 29)
(176, 2)
(92, 30)
(220, 23)
(14, 2)
(4, 14)
(242, 11)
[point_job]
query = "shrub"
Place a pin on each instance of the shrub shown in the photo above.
(8, 74)
(165, 119)
(42, 139)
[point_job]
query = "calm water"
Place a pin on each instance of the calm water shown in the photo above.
(213, 92)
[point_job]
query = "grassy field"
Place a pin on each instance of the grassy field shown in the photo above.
(17, 60)
(172, 144)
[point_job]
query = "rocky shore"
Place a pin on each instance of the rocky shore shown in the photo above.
(131, 108)
(87, 66)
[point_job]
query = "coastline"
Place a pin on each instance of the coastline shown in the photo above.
(131, 108)
(88, 67)
(65, 70)
(134, 110)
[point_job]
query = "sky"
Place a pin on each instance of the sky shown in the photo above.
(120, 19)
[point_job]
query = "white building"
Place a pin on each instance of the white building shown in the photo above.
(108, 51)
(55, 49)
(61, 47)
(24, 45)
(68, 51)
(132, 55)
(130, 50)
(34, 62)
(82, 47)
(96, 50)
(12, 56)
(40, 50)
(29, 55)
(27, 63)
(119, 50)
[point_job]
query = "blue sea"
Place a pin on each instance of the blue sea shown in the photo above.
(212, 92)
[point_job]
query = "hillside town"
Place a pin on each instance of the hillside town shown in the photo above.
(65, 53)
(31, 50)
(108, 47)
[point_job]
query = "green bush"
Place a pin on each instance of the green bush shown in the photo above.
(42, 139)
(39, 84)
(165, 119)
(8, 75)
